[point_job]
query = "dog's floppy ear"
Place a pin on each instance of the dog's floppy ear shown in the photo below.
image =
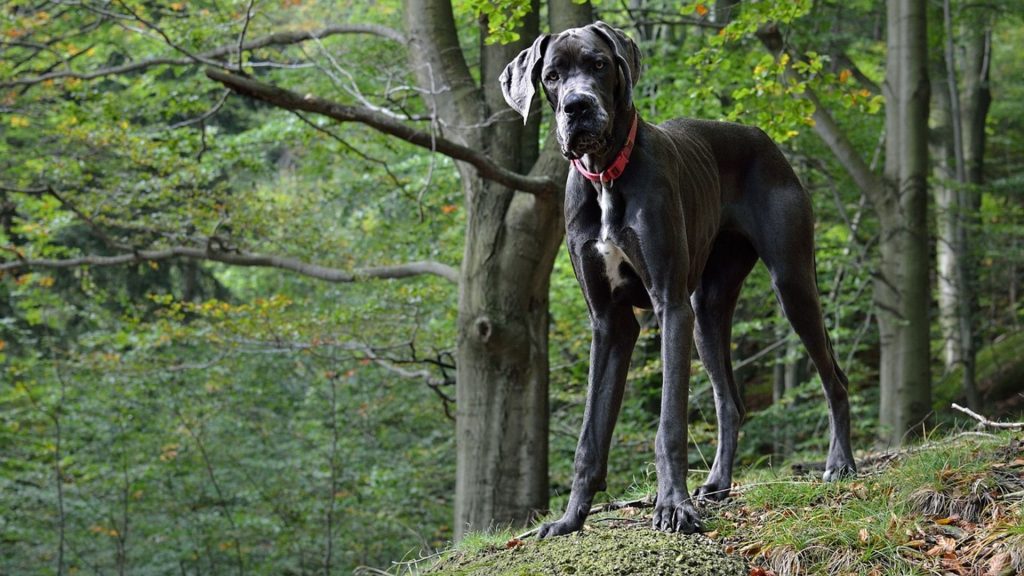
(627, 54)
(519, 80)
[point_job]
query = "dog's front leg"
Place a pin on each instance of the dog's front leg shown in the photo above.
(615, 331)
(673, 509)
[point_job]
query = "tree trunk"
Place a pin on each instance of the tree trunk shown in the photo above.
(955, 201)
(511, 242)
(902, 290)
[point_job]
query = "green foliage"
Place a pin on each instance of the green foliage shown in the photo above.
(187, 417)
(503, 18)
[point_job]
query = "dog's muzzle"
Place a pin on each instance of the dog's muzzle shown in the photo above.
(582, 125)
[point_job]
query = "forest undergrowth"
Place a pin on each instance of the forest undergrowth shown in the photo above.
(949, 506)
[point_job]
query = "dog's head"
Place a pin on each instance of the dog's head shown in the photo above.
(588, 75)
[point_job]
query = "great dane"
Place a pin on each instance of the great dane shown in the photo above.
(670, 217)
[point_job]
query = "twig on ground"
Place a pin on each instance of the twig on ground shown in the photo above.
(986, 422)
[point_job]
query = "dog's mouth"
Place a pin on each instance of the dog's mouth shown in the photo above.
(581, 139)
(579, 145)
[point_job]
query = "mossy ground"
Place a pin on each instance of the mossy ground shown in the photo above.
(609, 546)
(953, 506)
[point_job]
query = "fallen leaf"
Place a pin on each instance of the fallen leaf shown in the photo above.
(997, 564)
(514, 543)
(750, 549)
(943, 547)
(863, 535)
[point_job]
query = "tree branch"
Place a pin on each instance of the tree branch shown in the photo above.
(828, 130)
(986, 422)
(486, 168)
(843, 60)
(275, 39)
(316, 271)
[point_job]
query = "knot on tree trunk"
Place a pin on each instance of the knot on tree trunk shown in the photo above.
(483, 328)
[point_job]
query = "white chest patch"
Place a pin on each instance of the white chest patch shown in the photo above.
(612, 254)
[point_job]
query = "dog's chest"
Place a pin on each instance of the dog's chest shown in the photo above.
(613, 256)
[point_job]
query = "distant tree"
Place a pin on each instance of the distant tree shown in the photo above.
(511, 188)
(901, 291)
(961, 100)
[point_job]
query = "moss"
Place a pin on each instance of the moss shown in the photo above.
(1000, 370)
(618, 549)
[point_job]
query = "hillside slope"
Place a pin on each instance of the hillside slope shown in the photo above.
(953, 506)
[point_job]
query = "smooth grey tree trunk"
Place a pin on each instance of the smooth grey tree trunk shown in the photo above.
(902, 291)
(958, 148)
(510, 246)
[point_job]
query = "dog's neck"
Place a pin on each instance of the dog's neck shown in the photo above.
(600, 161)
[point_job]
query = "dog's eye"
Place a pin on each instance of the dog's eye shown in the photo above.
(599, 65)
(551, 77)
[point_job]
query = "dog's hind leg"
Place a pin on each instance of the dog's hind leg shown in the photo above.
(788, 252)
(714, 302)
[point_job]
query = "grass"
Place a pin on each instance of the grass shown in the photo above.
(952, 506)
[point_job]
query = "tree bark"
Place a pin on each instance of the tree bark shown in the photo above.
(902, 291)
(955, 200)
(901, 286)
(511, 242)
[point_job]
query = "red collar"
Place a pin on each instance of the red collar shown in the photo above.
(618, 166)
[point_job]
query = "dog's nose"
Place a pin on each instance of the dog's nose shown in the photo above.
(576, 105)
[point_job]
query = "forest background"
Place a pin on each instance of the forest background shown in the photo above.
(251, 252)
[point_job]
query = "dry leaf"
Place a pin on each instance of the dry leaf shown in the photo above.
(997, 564)
(863, 535)
(750, 549)
(943, 547)
(514, 543)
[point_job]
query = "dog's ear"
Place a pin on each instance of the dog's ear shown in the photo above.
(626, 52)
(519, 79)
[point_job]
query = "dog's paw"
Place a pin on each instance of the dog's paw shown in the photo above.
(711, 492)
(839, 471)
(564, 525)
(676, 516)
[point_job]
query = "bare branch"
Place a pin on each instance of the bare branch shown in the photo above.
(275, 39)
(167, 39)
(233, 258)
(205, 115)
(986, 422)
(241, 35)
(486, 168)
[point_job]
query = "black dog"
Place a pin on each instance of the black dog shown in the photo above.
(671, 218)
